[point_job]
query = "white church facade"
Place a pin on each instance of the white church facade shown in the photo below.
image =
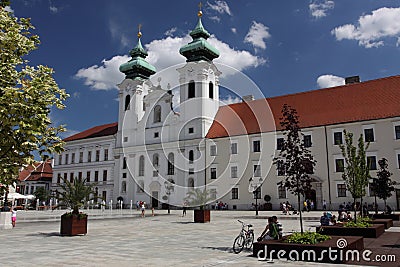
(156, 154)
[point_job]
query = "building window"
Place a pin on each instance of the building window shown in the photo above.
(279, 143)
(213, 173)
(171, 167)
(235, 193)
(371, 190)
(104, 175)
(191, 89)
(398, 160)
(341, 190)
(124, 175)
(157, 113)
(339, 163)
(89, 156)
(234, 173)
(371, 162)
(80, 176)
(191, 156)
(281, 168)
(397, 131)
(155, 160)
(123, 187)
(257, 170)
(66, 158)
(71, 177)
(125, 139)
(191, 171)
(256, 146)
(60, 159)
(105, 154)
(124, 163)
(369, 135)
(191, 183)
(337, 138)
(234, 148)
(156, 134)
(307, 140)
(65, 177)
(88, 176)
(72, 158)
(80, 157)
(281, 191)
(97, 155)
(141, 165)
(211, 90)
(96, 176)
(58, 178)
(213, 150)
(127, 102)
(257, 193)
(213, 193)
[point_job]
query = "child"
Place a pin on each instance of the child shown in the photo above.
(14, 217)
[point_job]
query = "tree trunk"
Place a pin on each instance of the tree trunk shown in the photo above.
(384, 208)
(355, 210)
(301, 217)
(361, 207)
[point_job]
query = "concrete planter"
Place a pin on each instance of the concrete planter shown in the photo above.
(373, 231)
(73, 225)
(386, 222)
(202, 216)
(394, 217)
(306, 252)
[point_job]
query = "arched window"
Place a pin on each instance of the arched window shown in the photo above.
(155, 160)
(141, 166)
(171, 169)
(211, 90)
(191, 156)
(123, 187)
(157, 113)
(191, 91)
(127, 102)
(191, 183)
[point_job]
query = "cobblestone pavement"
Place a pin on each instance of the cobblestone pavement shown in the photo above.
(125, 239)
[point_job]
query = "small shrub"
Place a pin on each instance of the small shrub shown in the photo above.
(361, 224)
(307, 238)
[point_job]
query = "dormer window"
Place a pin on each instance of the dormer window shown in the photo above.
(127, 102)
(157, 114)
(191, 89)
(211, 90)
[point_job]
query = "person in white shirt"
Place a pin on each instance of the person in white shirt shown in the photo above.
(14, 217)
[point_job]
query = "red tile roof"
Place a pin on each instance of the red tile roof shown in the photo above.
(97, 131)
(375, 99)
(42, 171)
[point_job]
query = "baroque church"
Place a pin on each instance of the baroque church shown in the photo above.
(157, 154)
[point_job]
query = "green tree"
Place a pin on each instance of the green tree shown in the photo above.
(27, 94)
(42, 194)
(198, 197)
(384, 185)
(294, 158)
(356, 172)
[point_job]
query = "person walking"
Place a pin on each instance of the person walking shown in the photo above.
(184, 209)
(143, 208)
(324, 205)
(14, 217)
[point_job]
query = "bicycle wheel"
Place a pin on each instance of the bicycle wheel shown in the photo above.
(250, 241)
(238, 244)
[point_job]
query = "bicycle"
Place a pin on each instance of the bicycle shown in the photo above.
(244, 239)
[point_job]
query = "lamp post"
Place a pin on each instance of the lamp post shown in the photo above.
(374, 187)
(254, 186)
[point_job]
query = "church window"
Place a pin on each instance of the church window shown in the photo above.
(157, 113)
(211, 90)
(127, 102)
(191, 91)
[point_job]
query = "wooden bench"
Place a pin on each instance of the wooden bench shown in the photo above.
(387, 222)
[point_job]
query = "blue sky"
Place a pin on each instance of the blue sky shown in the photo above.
(282, 46)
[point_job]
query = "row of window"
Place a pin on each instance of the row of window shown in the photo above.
(80, 176)
(369, 135)
(80, 157)
(371, 163)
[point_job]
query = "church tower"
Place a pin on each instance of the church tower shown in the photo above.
(132, 91)
(199, 83)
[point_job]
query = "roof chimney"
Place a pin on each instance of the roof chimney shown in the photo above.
(352, 79)
(247, 98)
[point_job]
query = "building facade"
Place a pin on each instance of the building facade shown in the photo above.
(157, 154)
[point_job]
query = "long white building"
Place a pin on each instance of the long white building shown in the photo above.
(157, 154)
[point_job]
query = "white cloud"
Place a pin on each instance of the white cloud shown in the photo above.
(171, 31)
(229, 100)
(53, 9)
(117, 34)
(163, 54)
(398, 41)
(215, 18)
(234, 30)
(256, 35)
(319, 9)
(9, 9)
(221, 7)
(104, 77)
(372, 29)
(328, 80)
(76, 94)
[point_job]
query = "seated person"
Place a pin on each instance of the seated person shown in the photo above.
(324, 220)
(270, 231)
(279, 226)
(333, 220)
